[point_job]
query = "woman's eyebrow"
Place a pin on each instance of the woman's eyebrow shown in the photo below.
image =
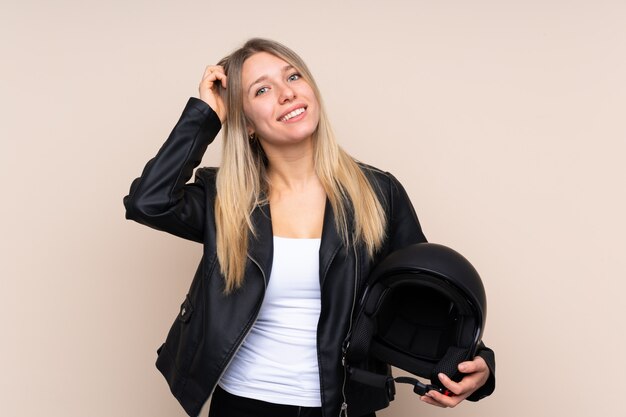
(265, 77)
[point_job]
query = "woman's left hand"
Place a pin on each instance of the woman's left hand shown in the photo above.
(477, 374)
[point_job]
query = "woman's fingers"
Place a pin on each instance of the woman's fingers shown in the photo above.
(477, 373)
(429, 400)
(212, 73)
(214, 77)
(477, 365)
(457, 388)
(441, 400)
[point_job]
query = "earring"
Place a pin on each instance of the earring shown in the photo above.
(252, 137)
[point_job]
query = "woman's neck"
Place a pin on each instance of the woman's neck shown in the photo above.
(296, 195)
(291, 168)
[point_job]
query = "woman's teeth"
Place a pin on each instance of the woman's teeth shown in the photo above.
(294, 113)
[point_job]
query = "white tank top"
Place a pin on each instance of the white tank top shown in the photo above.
(277, 362)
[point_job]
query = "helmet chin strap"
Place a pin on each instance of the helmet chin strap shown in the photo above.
(420, 388)
(388, 383)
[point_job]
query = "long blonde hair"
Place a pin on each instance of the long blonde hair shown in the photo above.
(242, 178)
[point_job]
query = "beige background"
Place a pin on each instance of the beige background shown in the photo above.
(503, 119)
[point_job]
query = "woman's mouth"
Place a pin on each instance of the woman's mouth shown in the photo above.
(292, 114)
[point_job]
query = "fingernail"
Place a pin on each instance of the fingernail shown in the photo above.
(462, 367)
(441, 375)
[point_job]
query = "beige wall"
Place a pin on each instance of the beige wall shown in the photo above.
(504, 120)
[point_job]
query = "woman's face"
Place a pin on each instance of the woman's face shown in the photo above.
(280, 105)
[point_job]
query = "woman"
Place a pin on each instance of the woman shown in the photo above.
(291, 227)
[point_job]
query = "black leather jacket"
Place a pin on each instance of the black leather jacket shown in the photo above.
(211, 326)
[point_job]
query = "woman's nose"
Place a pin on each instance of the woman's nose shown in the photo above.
(286, 94)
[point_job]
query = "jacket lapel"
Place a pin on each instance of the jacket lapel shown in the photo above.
(261, 246)
(331, 241)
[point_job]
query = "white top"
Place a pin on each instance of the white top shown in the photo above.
(277, 362)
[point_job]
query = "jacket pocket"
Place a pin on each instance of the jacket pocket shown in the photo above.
(186, 310)
(179, 349)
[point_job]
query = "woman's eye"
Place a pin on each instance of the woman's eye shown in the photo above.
(261, 91)
(294, 77)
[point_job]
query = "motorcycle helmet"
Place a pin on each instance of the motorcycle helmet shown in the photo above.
(423, 311)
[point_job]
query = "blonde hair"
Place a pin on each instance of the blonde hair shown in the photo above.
(242, 179)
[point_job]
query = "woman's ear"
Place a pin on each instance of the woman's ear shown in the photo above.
(249, 129)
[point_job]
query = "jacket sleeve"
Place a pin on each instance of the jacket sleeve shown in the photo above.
(490, 358)
(160, 197)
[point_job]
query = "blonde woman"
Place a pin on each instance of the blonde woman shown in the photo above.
(291, 226)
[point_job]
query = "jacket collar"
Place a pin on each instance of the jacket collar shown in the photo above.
(261, 246)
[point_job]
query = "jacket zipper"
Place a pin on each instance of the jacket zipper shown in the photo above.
(245, 333)
(344, 406)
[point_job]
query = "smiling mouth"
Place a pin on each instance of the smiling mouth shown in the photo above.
(292, 114)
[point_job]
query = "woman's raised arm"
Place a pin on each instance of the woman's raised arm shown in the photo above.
(160, 197)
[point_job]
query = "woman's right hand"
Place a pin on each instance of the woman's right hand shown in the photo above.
(209, 90)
